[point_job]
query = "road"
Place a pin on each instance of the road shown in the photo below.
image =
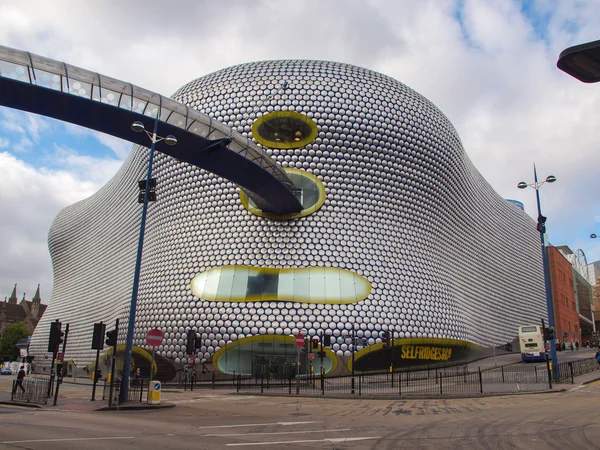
(217, 420)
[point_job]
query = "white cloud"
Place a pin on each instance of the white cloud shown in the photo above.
(119, 147)
(30, 198)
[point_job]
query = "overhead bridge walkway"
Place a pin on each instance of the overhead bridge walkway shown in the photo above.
(54, 89)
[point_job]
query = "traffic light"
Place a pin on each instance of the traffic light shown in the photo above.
(541, 224)
(327, 340)
(386, 339)
(315, 343)
(549, 333)
(56, 336)
(595, 334)
(151, 190)
(191, 341)
(198, 342)
(111, 338)
(97, 342)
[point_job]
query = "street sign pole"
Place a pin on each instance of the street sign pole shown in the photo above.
(154, 338)
(152, 366)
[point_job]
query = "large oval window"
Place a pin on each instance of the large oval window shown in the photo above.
(284, 129)
(310, 192)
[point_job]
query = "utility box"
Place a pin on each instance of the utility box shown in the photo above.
(154, 391)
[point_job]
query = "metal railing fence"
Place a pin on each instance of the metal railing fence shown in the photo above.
(135, 392)
(36, 388)
(425, 382)
(567, 371)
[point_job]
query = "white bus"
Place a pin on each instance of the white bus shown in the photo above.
(531, 343)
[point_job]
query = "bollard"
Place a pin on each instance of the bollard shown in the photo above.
(480, 382)
(262, 385)
(502, 373)
(213, 380)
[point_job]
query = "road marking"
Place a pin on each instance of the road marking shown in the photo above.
(284, 424)
(68, 439)
(342, 440)
(583, 386)
(277, 432)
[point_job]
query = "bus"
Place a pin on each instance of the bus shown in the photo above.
(531, 343)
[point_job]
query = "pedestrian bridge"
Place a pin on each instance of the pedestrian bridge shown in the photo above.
(55, 89)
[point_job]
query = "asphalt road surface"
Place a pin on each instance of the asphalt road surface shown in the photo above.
(214, 420)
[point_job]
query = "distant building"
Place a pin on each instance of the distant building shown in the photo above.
(517, 203)
(28, 312)
(594, 279)
(572, 293)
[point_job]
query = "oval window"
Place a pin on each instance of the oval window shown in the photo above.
(310, 192)
(284, 129)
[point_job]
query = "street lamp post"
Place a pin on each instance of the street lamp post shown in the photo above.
(541, 227)
(138, 127)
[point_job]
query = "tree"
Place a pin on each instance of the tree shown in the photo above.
(8, 342)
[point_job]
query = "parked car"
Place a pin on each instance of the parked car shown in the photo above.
(5, 371)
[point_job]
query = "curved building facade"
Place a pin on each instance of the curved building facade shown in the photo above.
(400, 234)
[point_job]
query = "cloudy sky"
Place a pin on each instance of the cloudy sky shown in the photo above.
(490, 66)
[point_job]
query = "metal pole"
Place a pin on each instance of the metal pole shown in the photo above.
(123, 394)
(152, 366)
(297, 370)
(95, 375)
(52, 372)
(112, 369)
(392, 358)
(353, 346)
(546, 354)
(321, 354)
(542, 229)
(59, 377)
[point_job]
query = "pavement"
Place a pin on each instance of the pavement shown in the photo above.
(75, 395)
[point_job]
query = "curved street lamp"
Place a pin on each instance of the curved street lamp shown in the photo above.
(139, 127)
(581, 62)
(541, 227)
